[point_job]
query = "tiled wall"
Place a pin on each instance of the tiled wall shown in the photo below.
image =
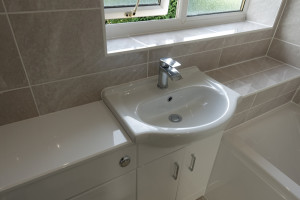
(269, 82)
(263, 83)
(52, 56)
(286, 43)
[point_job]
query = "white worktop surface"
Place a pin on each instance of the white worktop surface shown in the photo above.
(38, 146)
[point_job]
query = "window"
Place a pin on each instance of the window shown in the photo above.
(205, 7)
(169, 15)
(118, 9)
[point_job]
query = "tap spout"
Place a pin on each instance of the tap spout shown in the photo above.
(167, 70)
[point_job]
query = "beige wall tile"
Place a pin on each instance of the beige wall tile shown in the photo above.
(280, 13)
(204, 61)
(288, 29)
(265, 107)
(220, 75)
(153, 68)
(282, 73)
(185, 49)
(1, 7)
(248, 37)
(297, 97)
(12, 74)
(291, 85)
(285, 52)
(241, 70)
(243, 52)
(77, 91)
(266, 79)
(269, 94)
(263, 12)
(251, 67)
(241, 87)
(237, 119)
(59, 45)
(16, 105)
(35, 5)
(245, 103)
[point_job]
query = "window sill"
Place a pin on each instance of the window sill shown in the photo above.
(152, 41)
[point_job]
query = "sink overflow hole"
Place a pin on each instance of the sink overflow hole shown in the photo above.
(170, 99)
(175, 118)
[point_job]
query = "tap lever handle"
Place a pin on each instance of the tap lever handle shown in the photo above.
(169, 62)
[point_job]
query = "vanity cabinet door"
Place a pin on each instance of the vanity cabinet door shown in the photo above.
(121, 188)
(159, 179)
(197, 166)
(74, 180)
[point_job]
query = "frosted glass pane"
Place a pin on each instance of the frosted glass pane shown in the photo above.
(128, 2)
(200, 7)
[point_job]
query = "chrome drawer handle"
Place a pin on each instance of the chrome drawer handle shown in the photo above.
(192, 164)
(124, 162)
(176, 170)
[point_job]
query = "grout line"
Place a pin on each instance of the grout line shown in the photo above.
(253, 101)
(242, 77)
(266, 88)
(220, 56)
(287, 42)
(148, 63)
(284, 63)
(237, 63)
(248, 111)
(275, 59)
(11, 90)
(274, 67)
(253, 22)
(292, 102)
(221, 48)
(276, 108)
(191, 54)
(265, 113)
(254, 41)
(21, 58)
(276, 27)
(297, 90)
(277, 97)
(85, 75)
(54, 10)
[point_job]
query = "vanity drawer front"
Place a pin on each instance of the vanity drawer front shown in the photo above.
(74, 180)
(121, 188)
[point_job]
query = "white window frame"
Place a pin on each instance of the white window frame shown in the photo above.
(116, 13)
(182, 21)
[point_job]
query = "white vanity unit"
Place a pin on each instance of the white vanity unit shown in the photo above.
(71, 154)
(182, 174)
(177, 129)
(83, 153)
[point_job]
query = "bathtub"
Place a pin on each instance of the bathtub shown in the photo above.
(260, 158)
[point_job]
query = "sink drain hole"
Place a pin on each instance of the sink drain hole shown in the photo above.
(175, 118)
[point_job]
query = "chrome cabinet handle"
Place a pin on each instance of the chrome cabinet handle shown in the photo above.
(176, 170)
(124, 162)
(192, 164)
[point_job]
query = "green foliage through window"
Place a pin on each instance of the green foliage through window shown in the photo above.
(203, 7)
(171, 14)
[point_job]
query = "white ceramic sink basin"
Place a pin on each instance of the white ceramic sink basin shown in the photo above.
(197, 106)
(188, 110)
